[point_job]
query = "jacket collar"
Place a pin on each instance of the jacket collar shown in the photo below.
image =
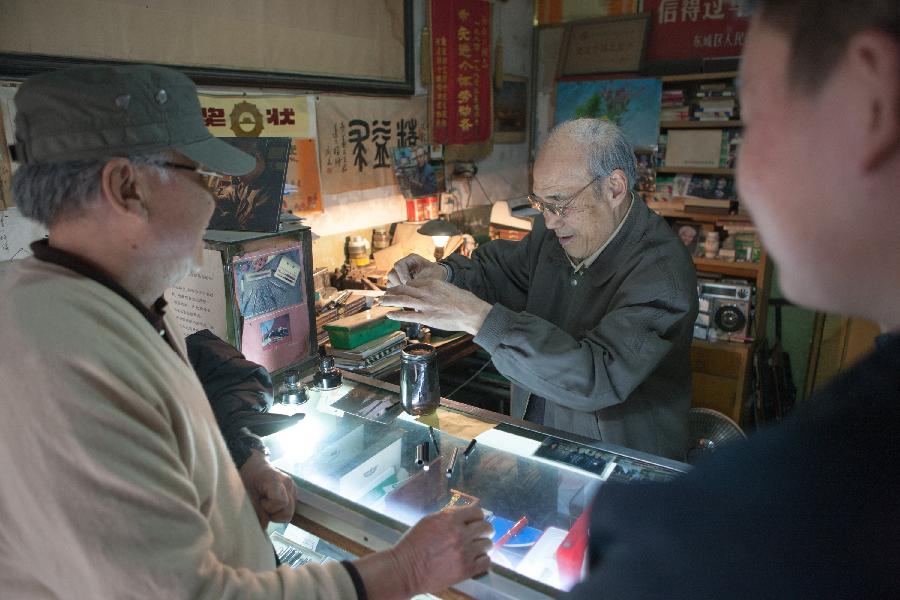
(605, 266)
(154, 315)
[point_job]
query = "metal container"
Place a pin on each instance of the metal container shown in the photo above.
(381, 239)
(420, 390)
(291, 391)
(358, 250)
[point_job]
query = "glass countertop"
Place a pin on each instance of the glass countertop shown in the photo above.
(357, 445)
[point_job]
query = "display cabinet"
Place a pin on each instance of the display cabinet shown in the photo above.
(353, 457)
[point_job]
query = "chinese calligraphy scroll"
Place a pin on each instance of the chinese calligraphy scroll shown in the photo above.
(692, 29)
(356, 136)
(461, 100)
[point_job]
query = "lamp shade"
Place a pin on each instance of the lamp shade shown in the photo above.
(438, 227)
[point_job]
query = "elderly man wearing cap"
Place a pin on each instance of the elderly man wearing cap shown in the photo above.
(116, 480)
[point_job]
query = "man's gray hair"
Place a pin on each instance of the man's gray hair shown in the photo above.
(51, 191)
(607, 147)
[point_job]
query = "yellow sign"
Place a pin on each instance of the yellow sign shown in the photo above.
(257, 116)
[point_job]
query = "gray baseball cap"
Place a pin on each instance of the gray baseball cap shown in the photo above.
(101, 111)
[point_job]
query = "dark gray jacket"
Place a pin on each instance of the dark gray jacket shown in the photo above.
(611, 354)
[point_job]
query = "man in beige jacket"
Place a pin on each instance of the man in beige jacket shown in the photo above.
(115, 481)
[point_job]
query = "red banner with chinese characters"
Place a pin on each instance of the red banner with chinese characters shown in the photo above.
(461, 110)
(692, 29)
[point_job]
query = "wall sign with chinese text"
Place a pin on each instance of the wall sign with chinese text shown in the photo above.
(550, 12)
(607, 45)
(356, 135)
(461, 110)
(694, 29)
(257, 116)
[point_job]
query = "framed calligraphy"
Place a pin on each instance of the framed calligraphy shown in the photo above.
(349, 46)
(605, 45)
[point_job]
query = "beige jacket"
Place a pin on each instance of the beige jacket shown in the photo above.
(114, 479)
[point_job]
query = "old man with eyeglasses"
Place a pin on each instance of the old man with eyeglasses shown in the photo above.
(591, 315)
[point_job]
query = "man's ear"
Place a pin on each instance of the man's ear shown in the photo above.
(121, 189)
(617, 184)
(874, 60)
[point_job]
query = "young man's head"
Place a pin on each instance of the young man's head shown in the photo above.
(585, 171)
(109, 163)
(819, 166)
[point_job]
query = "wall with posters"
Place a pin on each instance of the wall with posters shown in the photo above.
(502, 174)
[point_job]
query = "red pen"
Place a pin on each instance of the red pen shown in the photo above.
(513, 532)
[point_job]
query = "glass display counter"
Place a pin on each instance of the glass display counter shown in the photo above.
(354, 458)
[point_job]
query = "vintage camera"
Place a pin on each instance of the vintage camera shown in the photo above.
(726, 307)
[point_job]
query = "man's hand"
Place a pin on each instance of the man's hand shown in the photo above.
(415, 267)
(437, 304)
(440, 550)
(272, 492)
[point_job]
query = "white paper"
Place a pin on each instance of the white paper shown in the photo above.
(198, 300)
(694, 148)
(17, 233)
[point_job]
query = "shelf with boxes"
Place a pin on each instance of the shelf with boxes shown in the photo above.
(692, 186)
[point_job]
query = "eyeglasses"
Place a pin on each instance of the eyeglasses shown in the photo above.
(210, 179)
(560, 210)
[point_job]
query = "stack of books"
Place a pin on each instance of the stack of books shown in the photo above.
(372, 357)
(744, 240)
(673, 106)
(715, 102)
(350, 306)
(716, 206)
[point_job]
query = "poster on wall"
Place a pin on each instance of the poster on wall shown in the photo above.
(356, 135)
(252, 202)
(198, 300)
(461, 102)
(551, 12)
(695, 29)
(632, 104)
(302, 189)
(274, 116)
(418, 175)
(511, 111)
(268, 291)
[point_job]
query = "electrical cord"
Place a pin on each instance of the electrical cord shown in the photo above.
(467, 381)
(483, 191)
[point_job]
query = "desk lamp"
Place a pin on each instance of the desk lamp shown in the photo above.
(440, 232)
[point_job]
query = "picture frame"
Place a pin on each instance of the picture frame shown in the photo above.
(604, 45)
(237, 54)
(691, 234)
(511, 111)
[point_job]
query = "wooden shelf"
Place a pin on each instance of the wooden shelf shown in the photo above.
(700, 76)
(674, 213)
(724, 345)
(695, 170)
(747, 270)
(699, 124)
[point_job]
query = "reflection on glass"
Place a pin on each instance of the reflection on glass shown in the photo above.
(355, 442)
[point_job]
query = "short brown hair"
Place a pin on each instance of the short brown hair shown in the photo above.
(819, 31)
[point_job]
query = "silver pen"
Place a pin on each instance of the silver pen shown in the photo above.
(434, 440)
(452, 462)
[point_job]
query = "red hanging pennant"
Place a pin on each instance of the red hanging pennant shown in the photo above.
(461, 108)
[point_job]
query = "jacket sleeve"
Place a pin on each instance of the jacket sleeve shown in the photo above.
(236, 388)
(600, 369)
(497, 272)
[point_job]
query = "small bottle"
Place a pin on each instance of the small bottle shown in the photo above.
(291, 391)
